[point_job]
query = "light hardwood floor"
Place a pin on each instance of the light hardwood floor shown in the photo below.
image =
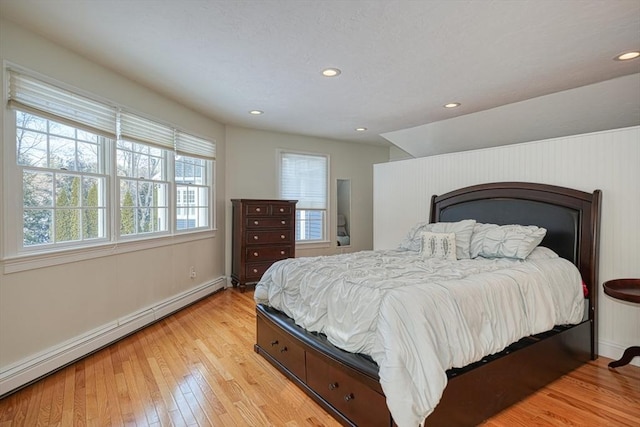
(198, 367)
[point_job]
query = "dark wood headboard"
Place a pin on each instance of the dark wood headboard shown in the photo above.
(571, 217)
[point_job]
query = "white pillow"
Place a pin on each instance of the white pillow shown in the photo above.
(479, 231)
(462, 229)
(438, 245)
(541, 252)
(508, 241)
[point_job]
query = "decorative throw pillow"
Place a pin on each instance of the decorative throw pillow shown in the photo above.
(438, 245)
(462, 229)
(511, 241)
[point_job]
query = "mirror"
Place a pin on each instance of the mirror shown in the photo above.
(343, 218)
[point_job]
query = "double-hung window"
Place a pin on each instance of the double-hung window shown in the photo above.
(304, 177)
(142, 156)
(63, 177)
(92, 172)
(192, 193)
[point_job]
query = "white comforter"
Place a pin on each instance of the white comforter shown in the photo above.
(417, 318)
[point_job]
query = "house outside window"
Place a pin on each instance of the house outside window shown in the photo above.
(304, 177)
(192, 190)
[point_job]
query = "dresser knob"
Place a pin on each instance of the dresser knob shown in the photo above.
(256, 222)
(283, 222)
(255, 254)
(333, 386)
(255, 237)
(281, 252)
(255, 270)
(283, 349)
(257, 209)
(281, 209)
(282, 236)
(274, 342)
(349, 397)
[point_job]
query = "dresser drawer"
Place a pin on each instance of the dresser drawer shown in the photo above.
(257, 209)
(269, 253)
(253, 271)
(268, 222)
(362, 405)
(284, 209)
(282, 348)
(265, 208)
(266, 237)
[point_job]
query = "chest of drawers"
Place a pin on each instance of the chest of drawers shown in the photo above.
(263, 233)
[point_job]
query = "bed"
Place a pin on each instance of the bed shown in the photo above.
(349, 384)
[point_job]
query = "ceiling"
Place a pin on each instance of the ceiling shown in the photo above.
(400, 61)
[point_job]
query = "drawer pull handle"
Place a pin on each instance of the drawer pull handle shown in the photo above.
(281, 209)
(283, 222)
(333, 386)
(282, 236)
(255, 270)
(255, 237)
(283, 349)
(257, 209)
(256, 222)
(274, 342)
(349, 397)
(255, 254)
(281, 252)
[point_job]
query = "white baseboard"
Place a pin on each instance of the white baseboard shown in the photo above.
(35, 366)
(614, 351)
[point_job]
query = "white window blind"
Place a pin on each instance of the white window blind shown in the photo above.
(138, 129)
(32, 95)
(29, 94)
(304, 178)
(190, 145)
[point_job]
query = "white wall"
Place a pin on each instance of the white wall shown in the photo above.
(49, 315)
(252, 172)
(608, 160)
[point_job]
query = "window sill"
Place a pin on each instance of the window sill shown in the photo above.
(31, 261)
(313, 245)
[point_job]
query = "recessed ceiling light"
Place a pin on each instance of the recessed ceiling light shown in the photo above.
(627, 55)
(451, 105)
(331, 72)
(256, 112)
(360, 129)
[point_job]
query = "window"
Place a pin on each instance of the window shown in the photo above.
(93, 172)
(192, 193)
(304, 177)
(143, 188)
(63, 182)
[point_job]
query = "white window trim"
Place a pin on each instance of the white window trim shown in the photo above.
(309, 244)
(51, 258)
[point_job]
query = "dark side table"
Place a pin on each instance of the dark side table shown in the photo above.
(625, 290)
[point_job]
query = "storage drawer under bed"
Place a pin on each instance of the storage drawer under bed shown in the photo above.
(282, 348)
(362, 405)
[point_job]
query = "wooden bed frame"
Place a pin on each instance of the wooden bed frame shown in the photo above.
(346, 384)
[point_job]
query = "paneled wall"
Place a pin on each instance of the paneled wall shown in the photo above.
(608, 160)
